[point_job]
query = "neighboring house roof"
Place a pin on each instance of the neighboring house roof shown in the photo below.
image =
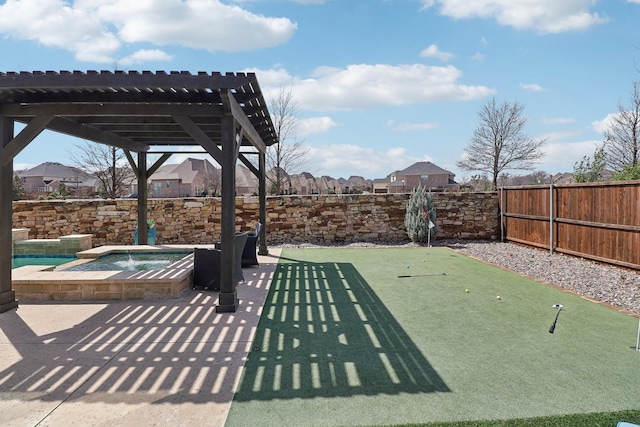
(91, 182)
(357, 180)
(424, 168)
(326, 184)
(245, 178)
(185, 171)
(165, 173)
(53, 170)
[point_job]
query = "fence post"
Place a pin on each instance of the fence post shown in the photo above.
(502, 214)
(551, 218)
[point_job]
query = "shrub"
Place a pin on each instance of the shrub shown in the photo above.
(420, 218)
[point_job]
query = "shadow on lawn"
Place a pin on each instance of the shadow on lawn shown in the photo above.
(323, 333)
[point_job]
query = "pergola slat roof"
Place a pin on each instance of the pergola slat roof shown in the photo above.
(83, 98)
(137, 111)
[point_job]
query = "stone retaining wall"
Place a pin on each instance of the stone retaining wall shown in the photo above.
(290, 219)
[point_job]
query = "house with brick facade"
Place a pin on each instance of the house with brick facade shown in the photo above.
(192, 177)
(47, 177)
(198, 177)
(305, 183)
(246, 182)
(425, 174)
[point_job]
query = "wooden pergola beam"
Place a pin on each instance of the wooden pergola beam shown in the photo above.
(26, 135)
(243, 121)
(200, 137)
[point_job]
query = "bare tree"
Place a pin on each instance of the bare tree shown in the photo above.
(477, 182)
(499, 144)
(622, 138)
(212, 180)
(108, 164)
(289, 155)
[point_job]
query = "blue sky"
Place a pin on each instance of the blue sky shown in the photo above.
(380, 84)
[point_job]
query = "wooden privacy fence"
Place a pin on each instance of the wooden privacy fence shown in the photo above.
(600, 221)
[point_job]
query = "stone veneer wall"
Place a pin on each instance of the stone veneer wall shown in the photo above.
(290, 219)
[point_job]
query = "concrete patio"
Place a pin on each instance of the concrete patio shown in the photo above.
(130, 363)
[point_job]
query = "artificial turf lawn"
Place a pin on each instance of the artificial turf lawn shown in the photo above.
(343, 341)
(606, 419)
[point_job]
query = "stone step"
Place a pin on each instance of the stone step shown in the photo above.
(65, 245)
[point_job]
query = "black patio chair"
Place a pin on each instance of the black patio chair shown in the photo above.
(207, 264)
(249, 254)
(206, 268)
(241, 241)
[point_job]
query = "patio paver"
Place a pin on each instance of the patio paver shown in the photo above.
(142, 362)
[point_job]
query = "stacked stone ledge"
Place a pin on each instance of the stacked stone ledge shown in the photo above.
(317, 219)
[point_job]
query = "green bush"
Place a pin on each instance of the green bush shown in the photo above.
(420, 219)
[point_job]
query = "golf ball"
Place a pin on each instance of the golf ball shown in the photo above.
(466, 290)
(498, 297)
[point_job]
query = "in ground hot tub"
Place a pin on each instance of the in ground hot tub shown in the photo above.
(109, 273)
(131, 261)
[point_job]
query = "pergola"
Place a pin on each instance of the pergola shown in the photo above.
(143, 113)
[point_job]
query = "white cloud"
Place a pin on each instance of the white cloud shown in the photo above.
(532, 87)
(406, 126)
(200, 24)
(603, 125)
(341, 160)
(145, 55)
(363, 86)
(561, 136)
(293, 1)
(544, 16)
(558, 120)
(432, 51)
(272, 80)
(315, 125)
(606, 124)
(95, 30)
(55, 23)
(23, 166)
(562, 156)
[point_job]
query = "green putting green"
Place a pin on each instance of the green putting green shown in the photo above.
(344, 341)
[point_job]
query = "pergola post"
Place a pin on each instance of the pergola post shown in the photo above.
(142, 198)
(262, 195)
(7, 294)
(228, 297)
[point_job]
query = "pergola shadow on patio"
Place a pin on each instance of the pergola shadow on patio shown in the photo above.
(143, 113)
(146, 362)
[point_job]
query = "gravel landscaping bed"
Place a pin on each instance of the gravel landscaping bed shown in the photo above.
(613, 285)
(617, 286)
